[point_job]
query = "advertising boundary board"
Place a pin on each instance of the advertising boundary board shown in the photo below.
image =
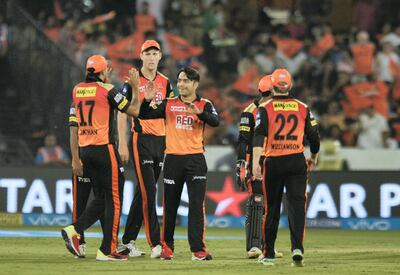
(348, 200)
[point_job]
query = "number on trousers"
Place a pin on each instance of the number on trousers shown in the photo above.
(87, 103)
(282, 120)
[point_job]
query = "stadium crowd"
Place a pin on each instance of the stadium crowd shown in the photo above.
(346, 67)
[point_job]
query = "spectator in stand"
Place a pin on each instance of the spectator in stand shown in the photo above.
(373, 130)
(394, 123)
(320, 78)
(363, 54)
(385, 60)
(333, 117)
(270, 58)
(393, 37)
(345, 63)
(51, 154)
(248, 60)
(67, 38)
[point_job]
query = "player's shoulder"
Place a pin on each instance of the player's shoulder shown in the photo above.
(263, 104)
(301, 103)
(163, 76)
(171, 99)
(78, 85)
(106, 86)
(205, 100)
(250, 108)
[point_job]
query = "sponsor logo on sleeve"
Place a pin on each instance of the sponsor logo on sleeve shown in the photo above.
(214, 111)
(122, 104)
(118, 97)
(244, 120)
(244, 128)
(258, 120)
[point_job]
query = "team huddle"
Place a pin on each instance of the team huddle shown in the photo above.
(167, 133)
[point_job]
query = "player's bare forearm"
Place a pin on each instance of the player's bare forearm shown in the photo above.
(73, 142)
(256, 162)
(122, 122)
(122, 143)
(77, 167)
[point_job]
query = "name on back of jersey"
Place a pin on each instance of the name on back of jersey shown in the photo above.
(87, 132)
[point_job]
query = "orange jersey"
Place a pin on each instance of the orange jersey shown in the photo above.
(92, 112)
(163, 89)
(363, 57)
(285, 121)
(184, 131)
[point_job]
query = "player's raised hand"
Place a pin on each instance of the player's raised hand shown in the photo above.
(133, 78)
(192, 109)
(149, 91)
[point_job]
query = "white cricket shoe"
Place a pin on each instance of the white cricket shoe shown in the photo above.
(156, 252)
(254, 252)
(82, 250)
(297, 257)
(130, 249)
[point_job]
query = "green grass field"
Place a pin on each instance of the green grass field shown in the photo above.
(327, 251)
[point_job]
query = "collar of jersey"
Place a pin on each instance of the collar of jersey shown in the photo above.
(282, 97)
(142, 75)
(196, 99)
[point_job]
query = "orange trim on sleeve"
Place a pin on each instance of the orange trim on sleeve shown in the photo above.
(115, 197)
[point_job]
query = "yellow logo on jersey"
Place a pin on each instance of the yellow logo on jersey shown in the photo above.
(122, 104)
(86, 92)
(73, 119)
(314, 122)
(285, 106)
(244, 128)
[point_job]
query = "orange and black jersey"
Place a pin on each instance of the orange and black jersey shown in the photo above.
(92, 110)
(184, 131)
(246, 132)
(163, 89)
(285, 122)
